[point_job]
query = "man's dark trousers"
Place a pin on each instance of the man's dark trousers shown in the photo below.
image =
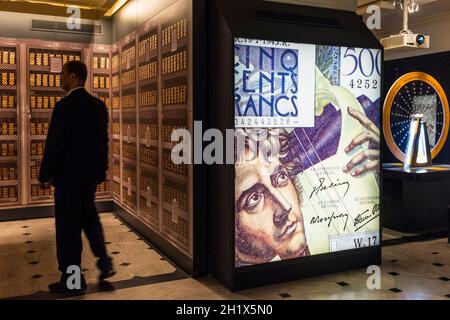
(75, 212)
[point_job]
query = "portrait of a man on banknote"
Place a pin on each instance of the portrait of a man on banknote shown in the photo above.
(269, 222)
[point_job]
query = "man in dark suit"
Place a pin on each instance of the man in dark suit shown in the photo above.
(75, 162)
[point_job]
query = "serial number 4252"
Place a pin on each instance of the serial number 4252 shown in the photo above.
(363, 84)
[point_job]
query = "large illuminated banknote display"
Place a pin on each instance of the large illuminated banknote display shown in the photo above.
(307, 150)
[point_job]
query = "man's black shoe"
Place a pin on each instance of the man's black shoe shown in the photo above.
(106, 268)
(61, 287)
(107, 274)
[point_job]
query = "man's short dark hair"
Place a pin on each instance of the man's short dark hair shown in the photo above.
(78, 68)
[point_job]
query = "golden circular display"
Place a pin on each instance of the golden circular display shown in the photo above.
(401, 83)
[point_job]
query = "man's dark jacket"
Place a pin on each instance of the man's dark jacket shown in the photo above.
(76, 150)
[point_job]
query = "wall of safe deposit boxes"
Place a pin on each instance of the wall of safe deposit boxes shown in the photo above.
(144, 80)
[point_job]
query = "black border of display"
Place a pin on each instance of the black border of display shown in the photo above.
(236, 19)
(199, 108)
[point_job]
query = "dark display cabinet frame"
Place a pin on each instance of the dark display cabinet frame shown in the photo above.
(273, 22)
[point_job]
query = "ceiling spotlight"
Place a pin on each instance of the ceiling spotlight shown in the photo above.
(413, 6)
(397, 3)
(115, 7)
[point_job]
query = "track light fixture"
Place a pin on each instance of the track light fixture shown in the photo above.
(413, 5)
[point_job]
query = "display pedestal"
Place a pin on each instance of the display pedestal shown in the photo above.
(417, 199)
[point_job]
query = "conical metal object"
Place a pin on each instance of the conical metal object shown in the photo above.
(418, 152)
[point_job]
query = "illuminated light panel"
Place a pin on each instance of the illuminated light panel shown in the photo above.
(116, 7)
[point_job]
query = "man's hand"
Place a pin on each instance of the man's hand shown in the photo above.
(47, 185)
(372, 155)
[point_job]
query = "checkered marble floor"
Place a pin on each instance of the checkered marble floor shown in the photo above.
(412, 270)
